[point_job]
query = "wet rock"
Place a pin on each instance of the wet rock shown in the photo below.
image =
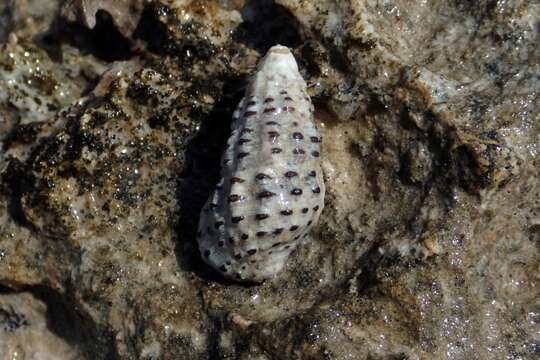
(428, 244)
(24, 331)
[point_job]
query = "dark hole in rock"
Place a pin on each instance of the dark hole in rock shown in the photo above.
(153, 31)
(103, 41)
(158, 121)
(267, 24)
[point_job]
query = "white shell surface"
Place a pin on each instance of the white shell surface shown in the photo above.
(271, 190)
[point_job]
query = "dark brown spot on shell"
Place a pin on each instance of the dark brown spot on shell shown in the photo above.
(294, 228)
(221, 243)
(218, 224)
(273, 134)
(295, 123)
(226, 161)
(237, 256)
(276, 150)
(316, 208)
(298, 151)
(246, 131)
(262, 176)
(283, 92)
(235, 198)
(288, 109)
(290, 174)
(268, 99)
(252, 251)
(244, 236)
(297, 237)
(296, 191)
(261, 216)
(276, 244)
(243, 141)
(278, 231)
(315, 153)
(242, 155)
(309, 222)
(287, 98)
(287, 246)
(261, 233)
(305, 210)
(297, 136)
(312, 173)
(251, 103)
(265, 194)
(235, 179)
(315, 139)
(213, 206)
(237, 219)
(316, 190)
(223, 268)
(286, 212)
(269, 110)
(250, 113)
(231, 240)
(271, 123)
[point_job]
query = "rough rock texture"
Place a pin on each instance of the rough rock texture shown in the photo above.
(25, 333)
(428, 247)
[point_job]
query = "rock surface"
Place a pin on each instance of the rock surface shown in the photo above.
(428, 246)
(25, 332)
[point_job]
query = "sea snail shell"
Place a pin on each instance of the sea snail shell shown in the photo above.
(271, 190)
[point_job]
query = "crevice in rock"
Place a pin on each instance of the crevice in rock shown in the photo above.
(14, 182)
(67, 321)
(199, 176)
(267, 24)
(104, 41)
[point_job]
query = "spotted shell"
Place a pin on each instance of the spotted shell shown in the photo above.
(271, 190)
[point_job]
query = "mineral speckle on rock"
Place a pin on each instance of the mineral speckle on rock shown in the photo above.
(111, 131)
